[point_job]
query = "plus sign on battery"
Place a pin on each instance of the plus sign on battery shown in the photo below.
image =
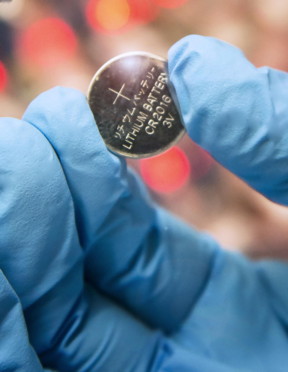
(119, 94)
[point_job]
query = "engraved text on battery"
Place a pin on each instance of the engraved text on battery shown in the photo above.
(157, 105)
(159, 109)
(127, 118)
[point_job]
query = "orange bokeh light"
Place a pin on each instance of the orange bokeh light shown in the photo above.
(108, 15)
(48, 42)
(169, 3)
(3, 77)
(167, 172)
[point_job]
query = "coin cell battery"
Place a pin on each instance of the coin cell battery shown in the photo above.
(134, 109)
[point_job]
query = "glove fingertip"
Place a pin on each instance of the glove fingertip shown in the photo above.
(63, 115)
(56, 101)
(182, 62)
(57, 94)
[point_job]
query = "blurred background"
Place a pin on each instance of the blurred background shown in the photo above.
(48, 43)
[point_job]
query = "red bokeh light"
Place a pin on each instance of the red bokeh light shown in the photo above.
(108, 16)
(143, 11)
(3, 77)
(169, 3)
(48, 42)
(167, 172)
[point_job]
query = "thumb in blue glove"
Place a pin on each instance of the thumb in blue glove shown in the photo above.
(235, 111)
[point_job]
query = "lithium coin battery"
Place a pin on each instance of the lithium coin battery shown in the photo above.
(134, 109)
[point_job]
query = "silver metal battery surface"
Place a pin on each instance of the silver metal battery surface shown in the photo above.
(133, 105)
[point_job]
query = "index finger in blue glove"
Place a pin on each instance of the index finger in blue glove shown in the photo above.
(234, 110)
(39, 249)
(71, 327)
(63, 116)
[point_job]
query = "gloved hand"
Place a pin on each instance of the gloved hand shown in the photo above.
(71, 326)
(70, 209)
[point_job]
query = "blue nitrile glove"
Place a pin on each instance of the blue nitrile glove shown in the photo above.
(223, 312)
(128, 245)
(78, 204)
(71, 327)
